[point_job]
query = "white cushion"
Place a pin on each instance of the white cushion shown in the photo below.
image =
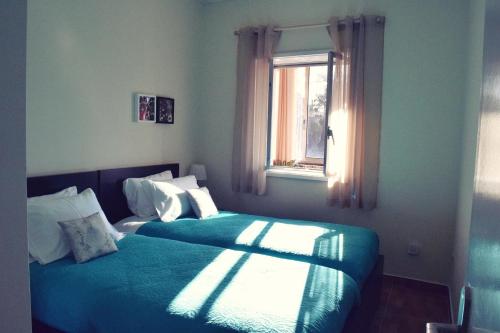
(202, 203)
(170, 200)
(185, 183)
(139, 202)
(67, 192)
(88, 237)
(46, 240)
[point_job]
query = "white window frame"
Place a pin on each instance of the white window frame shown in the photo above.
(279, 171)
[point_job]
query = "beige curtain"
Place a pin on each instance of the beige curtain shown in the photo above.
(354, 116)
(286, 115)
(255, 48)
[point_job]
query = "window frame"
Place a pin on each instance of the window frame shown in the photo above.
(330, 63)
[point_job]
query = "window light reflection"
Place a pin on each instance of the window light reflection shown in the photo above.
(250, 234)
(191, 299)
(292, 238)
(290, 293)
(244, 291)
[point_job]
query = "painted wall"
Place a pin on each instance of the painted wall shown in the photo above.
(85, 61)
(469, 142)
(15, 313)
(422, 119)
(484, 254)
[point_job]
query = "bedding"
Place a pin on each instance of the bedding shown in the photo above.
(170, 201)
(46, 240)
(138, 200)
(202, 202)
(185, 183)
(67, 192)
(160, 285)
(353, 250)
(88, 237)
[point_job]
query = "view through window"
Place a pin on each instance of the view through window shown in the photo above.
(299, 111)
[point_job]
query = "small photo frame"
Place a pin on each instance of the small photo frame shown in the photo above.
(164, 110)
(146, 108)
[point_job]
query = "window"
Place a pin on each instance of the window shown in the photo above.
(299, 89)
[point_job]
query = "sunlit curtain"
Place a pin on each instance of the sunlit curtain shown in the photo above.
(255, 49)
(286, 115)
(354, 116)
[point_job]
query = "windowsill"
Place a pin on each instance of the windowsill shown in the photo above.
(296, 174)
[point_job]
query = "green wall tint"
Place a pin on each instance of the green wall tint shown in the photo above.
(86, 59)
(422, 120)
(484, 254)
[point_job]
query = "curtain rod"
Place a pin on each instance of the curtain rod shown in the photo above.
(310, 26)
(296, 27)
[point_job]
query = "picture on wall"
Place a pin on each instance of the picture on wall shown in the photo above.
(146, 108)
(164, 110)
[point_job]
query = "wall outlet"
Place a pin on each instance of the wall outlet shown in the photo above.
(414, 248)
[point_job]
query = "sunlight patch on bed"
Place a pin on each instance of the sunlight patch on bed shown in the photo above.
(341, 247)
(271, 292)
(331, 247)
(295, 239)
(290, 238)
(261, 291)
(190, 300)
(222, 215)
(250, 234)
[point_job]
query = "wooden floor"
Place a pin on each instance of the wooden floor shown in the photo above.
(407, 305)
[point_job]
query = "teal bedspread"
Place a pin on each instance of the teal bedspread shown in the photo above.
(159, 285)
(352, 250)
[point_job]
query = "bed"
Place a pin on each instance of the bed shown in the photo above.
(157, 285)
(140, 276)
(352, 250)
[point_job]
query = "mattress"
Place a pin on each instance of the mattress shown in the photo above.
(350, 249)
(159, 285)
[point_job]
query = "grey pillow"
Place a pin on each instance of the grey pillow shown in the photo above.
(202, 202)
(88, 237)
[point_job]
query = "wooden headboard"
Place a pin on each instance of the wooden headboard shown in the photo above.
(106, 184)
(50, 184)
(111, 197)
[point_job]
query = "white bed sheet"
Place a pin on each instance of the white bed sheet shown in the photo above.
(131, 224)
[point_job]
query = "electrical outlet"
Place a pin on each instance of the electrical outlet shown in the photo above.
(414, 248)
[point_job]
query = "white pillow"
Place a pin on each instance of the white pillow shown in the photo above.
(67, 192)
(139, 202)
(170, 201)
(202, 203)
(46, 240)
(185, 183)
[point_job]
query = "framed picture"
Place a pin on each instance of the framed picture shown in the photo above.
(164, 110)
(146, 108)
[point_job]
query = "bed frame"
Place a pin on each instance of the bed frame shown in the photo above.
(111, 196)
(107, 185)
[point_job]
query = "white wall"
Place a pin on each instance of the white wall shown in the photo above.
(85, 61)
(469, 141)
(422, 120)
(14, 281)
